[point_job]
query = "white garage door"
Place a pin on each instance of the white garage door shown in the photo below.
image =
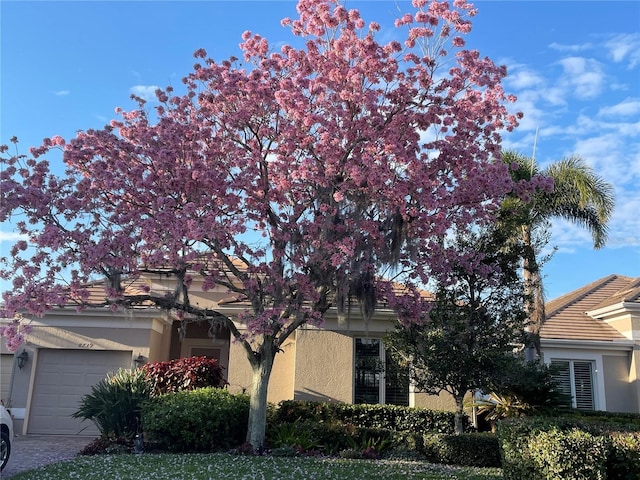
(62, 378)
(6, 365)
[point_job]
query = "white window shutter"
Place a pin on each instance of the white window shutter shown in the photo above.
(583, 379)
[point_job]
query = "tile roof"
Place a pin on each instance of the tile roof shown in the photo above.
(96, 291)
(567, 318)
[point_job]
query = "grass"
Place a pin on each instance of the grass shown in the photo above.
(238, 467)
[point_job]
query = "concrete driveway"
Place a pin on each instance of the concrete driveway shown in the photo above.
(32, 451)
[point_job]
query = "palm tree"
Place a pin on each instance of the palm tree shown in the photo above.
(579, 196)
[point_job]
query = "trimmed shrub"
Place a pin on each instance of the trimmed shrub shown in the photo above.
(468, 449)
(568, 447)
(570, 455)
(360, 431)
(114, 404)
(201, 420)
(184, 374)
(624, 456)
(389, 417)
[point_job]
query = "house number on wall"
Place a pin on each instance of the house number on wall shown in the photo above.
(85, 345)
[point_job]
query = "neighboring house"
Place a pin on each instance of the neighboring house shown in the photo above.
(71, 350)
(594, 332)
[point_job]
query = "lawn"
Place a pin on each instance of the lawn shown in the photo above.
(237, 467)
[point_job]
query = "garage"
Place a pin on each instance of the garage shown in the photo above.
(6, 365)
(62, 378)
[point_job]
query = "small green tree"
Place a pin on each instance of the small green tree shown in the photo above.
(522, 388)
(476, 319)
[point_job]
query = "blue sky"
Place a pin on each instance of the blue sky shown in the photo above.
(574, 65)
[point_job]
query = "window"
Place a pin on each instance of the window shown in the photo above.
(377, 378)
(576, 379)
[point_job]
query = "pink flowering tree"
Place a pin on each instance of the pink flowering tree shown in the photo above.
(300, 180)
(14, 332)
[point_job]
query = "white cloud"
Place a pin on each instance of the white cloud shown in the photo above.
(625, 225)
(527, 103)
(62, 93)
(567, 236)
(625, 47)
(12, 236)
(608, 152)
(522, 77)
(146, 92)
(583, 76)
(629, 107)
(570, 48)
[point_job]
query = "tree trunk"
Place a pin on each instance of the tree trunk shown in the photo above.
(533, 290)
(458, 418)
(261, 364)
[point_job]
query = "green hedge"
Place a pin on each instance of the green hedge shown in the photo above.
(570, 448)
(388, 417)
(468, 449)
(624, 458)
(201, 420)
(339, 428)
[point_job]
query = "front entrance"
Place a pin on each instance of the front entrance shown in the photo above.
(211, 348)
(200, 339)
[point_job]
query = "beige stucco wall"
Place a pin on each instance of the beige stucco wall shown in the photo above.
(443, 401)
(281, 384)
(87, 338)
(324, 366)
(624, 324)
(239, 369)
(634, 378)
(619, 393)
(281, 380)
(159, 342)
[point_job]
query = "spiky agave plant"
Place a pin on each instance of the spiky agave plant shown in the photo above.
(114, 403)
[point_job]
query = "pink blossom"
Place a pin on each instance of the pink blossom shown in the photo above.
(200, 53)
(14, 333)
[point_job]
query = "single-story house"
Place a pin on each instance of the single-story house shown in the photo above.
(594, 332)
(69, 350)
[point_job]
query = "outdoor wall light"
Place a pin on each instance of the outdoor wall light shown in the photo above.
(139, 361)
(22, 359)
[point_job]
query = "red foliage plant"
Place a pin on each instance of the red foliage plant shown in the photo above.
(184, 374)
